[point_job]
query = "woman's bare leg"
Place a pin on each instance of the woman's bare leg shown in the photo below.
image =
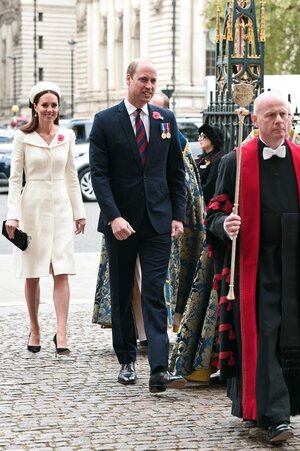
(61, 297)
(32, 295)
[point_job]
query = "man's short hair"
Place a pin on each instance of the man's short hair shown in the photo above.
(131, 69)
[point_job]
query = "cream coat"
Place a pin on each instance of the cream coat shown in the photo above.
(48, 204)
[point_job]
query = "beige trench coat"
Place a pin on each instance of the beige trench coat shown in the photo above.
(48, 204)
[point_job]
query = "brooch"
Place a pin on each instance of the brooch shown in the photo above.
(157, 115)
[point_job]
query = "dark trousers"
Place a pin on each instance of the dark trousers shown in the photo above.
(154, 254)
(273, 404)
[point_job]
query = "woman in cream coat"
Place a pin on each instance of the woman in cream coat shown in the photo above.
(45, 208)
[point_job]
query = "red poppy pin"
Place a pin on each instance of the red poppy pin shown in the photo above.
(60, 138)
(157, 115)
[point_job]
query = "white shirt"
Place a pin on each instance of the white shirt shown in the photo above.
(144, 116)
(282, 143)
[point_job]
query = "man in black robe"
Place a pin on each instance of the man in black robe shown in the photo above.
(260, 329)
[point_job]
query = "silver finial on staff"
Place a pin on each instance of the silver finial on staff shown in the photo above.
(242, 95)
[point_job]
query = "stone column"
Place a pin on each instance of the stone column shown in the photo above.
(111, 43)
(145, 39)
(198, 44)
(183, 52)
(127, 31)
(94, 40)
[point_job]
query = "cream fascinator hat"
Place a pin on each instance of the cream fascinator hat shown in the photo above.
(43, 86)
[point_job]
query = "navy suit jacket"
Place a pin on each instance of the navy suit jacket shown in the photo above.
(121, 185)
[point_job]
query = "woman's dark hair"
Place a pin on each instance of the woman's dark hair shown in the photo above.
(34, 121)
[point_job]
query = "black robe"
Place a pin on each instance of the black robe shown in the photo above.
(257, 355)
(208, 170)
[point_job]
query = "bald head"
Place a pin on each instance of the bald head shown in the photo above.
(271, 117)
(160, 99)
(266, 98)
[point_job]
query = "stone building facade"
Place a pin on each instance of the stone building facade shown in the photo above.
(108, 35)
(33, 50)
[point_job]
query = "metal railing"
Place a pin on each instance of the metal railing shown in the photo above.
(221, 113)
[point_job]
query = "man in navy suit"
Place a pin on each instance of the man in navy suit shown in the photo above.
(142, 203)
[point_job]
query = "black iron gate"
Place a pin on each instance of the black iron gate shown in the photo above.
(222, 114)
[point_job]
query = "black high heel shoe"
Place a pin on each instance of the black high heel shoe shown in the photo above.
(33, 348)
(60, 351)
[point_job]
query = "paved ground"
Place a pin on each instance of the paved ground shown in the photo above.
(76, 404)
(82, 285)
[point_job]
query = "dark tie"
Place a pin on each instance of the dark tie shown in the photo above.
(140, 136)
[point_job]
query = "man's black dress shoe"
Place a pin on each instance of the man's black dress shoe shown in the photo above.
(143, 343)
(127, 374)
(161, 380)
(250, 424)
(280, 432)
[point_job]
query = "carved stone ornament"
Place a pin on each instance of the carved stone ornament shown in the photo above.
(81, 15)
(15, 31)
(242, 94)
(9, 6)
(103, 30)
(16, 4)
(157, 5)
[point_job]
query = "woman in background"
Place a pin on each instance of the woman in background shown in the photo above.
(211, 141)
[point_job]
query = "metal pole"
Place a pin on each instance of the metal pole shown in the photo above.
(72, 44)
(14, 70)
(34, 43)
(72, 81)
(15, 79)
(107, 87)
(242, 113)
(242, 95)
(173, 50)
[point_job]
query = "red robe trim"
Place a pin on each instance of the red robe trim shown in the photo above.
(249, 247)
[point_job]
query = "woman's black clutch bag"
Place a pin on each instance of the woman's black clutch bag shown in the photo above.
(21, 239)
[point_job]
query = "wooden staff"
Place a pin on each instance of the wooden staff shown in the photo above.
(242, 95)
